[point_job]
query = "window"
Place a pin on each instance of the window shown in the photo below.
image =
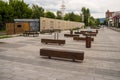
(19, 26)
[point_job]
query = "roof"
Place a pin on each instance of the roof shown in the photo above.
(28, 20)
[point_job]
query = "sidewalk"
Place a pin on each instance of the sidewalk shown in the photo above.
(114, 28)
(20, 59)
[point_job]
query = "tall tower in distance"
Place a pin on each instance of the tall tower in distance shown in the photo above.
(63, 9)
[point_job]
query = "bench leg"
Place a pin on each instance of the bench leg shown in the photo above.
(49, 57)
(73, 59)
(33, 35)
(81, 61)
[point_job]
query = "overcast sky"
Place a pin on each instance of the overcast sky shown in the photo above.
(97, 7)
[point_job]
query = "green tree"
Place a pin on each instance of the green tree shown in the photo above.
(97, 21)
(0, 18)
(83, 10)
(66, 17)
(49, 14)
(70, 16)
(73, 17)
(87, 16)
(6, 13)
(20, 9)
(59, 15)
(0, 22)
(78, 18)
(37, 11)
(86, 13)
(13, 9)
(91, 21)
(105, 22)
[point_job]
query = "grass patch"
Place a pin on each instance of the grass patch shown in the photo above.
(2, 30)
(5, 36)
(2, 42)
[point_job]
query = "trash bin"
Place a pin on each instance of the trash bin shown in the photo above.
(88, 42)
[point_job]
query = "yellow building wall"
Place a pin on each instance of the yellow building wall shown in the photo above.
(10, 28)
(26, 26)
(19, 28)
(16, 28)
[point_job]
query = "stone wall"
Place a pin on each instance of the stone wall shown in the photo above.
(47, 23)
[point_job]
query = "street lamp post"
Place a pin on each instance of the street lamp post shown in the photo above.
(62, 9)
(82, 17)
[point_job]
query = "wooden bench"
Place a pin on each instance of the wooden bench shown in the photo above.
(68, 54)
(71, 35)
(53, 41)
(90, 34)
(77, 33)
(28, 33)
(81, 38)
(93, 34)
(81, 32)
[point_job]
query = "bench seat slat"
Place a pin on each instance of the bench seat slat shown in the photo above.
(53, 41)
(82, 38)
(71, 35)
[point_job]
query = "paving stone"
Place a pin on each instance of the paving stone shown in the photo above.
(1, 50)
(2, 78)
(20, 78)
(11, 45)
(5, 75)
(20, 59)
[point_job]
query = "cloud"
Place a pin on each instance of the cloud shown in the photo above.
(44, 3)
(97, 7)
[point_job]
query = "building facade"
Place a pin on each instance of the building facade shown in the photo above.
(113, 18)
(109, 16)
(22, 25)
(116, 19)
(48, 23)
(17, 28)
(33, 23)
